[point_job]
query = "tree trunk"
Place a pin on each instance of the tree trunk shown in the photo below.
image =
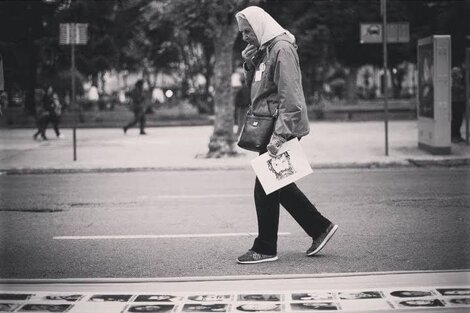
(222, 141)
(351, 95)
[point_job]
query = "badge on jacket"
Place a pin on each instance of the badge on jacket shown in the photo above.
(259, 72)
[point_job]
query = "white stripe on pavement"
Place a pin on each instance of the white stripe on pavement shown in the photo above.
(202, 196)
(158, 236)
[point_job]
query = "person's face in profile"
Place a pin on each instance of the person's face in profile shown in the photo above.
(248, 34)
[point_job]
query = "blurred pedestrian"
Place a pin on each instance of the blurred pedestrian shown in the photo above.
(139, 106)
(458, 103)
(3, 101)
(272, 71)
(41, 113)
(52, 104)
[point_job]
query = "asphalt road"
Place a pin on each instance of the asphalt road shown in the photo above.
(390, 219)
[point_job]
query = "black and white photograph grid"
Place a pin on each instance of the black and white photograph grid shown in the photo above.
(234, 156)
(306, 301)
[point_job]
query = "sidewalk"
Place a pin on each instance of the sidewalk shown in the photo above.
(329, 145)
(349, 292)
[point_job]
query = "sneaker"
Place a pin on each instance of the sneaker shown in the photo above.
(143, 133)
(60, 136)
(457, 139)
(321, 240)
(252, 257)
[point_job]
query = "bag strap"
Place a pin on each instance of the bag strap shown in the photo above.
(267, 49)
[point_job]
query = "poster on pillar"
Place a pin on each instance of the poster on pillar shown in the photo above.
(425, 80)
(434, 98)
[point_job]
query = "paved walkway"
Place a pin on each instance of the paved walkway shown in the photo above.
(330, 145)
(445, 291)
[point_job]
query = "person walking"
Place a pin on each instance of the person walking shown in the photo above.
(41, 113)
(53, 106)
(272, 71)
(458, 104)
(138, 103)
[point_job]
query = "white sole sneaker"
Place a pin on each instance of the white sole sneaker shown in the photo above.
(328, 237)
(274, 258)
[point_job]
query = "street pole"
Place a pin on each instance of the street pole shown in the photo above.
(467, 93)
(73, 97)
(383, 4)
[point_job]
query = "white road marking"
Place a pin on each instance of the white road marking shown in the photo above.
(197, 196)
(159, 236)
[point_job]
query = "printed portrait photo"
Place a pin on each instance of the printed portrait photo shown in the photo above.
(58, 297)
(411, 293)
(15, 296)
(421, 303)
(281, 166)
(459, 301)
(454, 291)
(110, 298)
(314, 306)
(259, 307)
(210, 298)
(154, 308)
(157, 298)
(45, 308)
(259, 297)
(218, 307)
(312, 296)
(360, 295)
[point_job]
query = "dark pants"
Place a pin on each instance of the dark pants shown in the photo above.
(41, 123)
(458, 109)
(267, 210)
(55, 120)
(139, 117)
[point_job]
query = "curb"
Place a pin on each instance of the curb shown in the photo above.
(217, 278)
(443, 162)
(458, 162)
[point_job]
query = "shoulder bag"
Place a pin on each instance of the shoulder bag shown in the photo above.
(257, 131)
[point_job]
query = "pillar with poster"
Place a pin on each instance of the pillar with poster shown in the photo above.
(434, 94)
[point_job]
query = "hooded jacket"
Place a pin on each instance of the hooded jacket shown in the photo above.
(278, 86)
(276, 81)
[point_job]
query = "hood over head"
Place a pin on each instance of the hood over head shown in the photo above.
(264, 26)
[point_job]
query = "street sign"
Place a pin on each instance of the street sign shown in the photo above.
(73, 34)
(396, 32)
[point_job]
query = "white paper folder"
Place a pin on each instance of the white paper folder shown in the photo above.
(288, 166)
